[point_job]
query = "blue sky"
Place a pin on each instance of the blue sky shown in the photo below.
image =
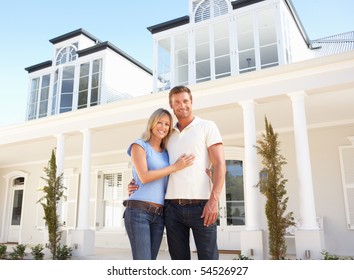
(27, 27)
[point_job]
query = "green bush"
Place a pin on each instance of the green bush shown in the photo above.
(63, 253)
(3, 249)
(18, 252)
(37, 252)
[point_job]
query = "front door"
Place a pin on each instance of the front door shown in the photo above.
(15, 214)
(231, 207)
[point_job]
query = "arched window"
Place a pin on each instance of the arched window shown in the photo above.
(208, 9)
(66, 54)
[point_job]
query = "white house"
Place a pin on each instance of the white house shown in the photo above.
(243, 61)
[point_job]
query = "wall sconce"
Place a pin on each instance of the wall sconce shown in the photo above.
(307, 254)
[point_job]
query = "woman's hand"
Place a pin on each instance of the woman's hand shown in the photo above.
(183, 161)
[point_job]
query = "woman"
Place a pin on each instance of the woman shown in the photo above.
(143, 217)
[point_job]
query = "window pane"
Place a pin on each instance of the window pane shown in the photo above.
(66, 100)
(164, 64)
(82, 103)
(84, 69)
(95, 80)
(45, 81)
(234, 193)
(67, 86)
(94, 96)
(17, 208)
(96, 66)
(83, 85)
(68, 72)
(112, 199)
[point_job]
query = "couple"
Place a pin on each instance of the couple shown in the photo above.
(178, 195)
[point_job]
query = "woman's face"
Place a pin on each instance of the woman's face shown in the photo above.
(161, 129)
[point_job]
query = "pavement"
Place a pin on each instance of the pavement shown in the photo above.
(125, 254)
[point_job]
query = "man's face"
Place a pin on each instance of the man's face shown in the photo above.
(181, 104)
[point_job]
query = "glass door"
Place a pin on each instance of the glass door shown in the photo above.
(231, 207)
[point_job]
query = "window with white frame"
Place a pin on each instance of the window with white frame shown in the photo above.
(207, 9)
(66, 54)
(112, 200)
(39, 97)
(90, 83)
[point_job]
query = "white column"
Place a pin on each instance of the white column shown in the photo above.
(84, 199)
(306, 195)
(59, 155)
(251, 174)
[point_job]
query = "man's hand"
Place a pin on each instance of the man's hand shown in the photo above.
(132, 187)
(210, 212)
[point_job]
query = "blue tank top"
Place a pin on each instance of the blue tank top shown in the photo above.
(153, 191)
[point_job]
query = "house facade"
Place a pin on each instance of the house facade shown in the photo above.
(243, 61)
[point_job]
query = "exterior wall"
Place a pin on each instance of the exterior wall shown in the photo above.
(324, 143)
(124, 77)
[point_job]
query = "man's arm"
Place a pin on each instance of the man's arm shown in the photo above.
(217, 158)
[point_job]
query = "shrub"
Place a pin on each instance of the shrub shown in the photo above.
(37, 252)
(63, 253)
(18, 252)
(3, 249)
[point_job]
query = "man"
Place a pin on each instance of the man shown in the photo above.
(191, 201)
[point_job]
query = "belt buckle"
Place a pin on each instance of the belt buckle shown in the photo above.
(180, 202)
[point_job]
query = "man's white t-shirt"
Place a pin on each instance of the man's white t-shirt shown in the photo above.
(192, 182)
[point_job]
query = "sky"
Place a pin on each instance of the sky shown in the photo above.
(27, 27)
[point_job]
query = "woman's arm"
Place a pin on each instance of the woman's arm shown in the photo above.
(138, 155)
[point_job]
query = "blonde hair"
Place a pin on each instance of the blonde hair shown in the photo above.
(153, 120)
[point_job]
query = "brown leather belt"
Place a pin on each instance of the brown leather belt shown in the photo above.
(183, 202)
(144, 206)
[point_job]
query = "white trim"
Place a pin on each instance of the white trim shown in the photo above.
(6, 211)
(348, 185)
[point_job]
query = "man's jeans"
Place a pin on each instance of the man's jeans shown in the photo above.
(179, 220)
(145, 232)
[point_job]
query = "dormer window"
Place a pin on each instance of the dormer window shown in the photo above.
(208, 9)
(66, 54)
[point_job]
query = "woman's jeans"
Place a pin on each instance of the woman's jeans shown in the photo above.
(179, 219)
(145, 232)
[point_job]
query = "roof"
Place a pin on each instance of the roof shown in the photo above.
(73, 34)
(333, 44)
(99, 46)
(105, 45)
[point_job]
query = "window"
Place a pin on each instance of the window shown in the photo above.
(67, 89)
(39, 98)
(181, 59)
(33, 100)
(55, 93)
(267, 38)
(17, 201)
(222, 49)
(235, 200)
(66, 54)
(112, 200)
(44, 97)
(207, 9)
(202, 54)
(245, 43)
(164, 64)
(90, 84)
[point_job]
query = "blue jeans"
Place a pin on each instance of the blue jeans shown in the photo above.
(179, 220)
(145, 232)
